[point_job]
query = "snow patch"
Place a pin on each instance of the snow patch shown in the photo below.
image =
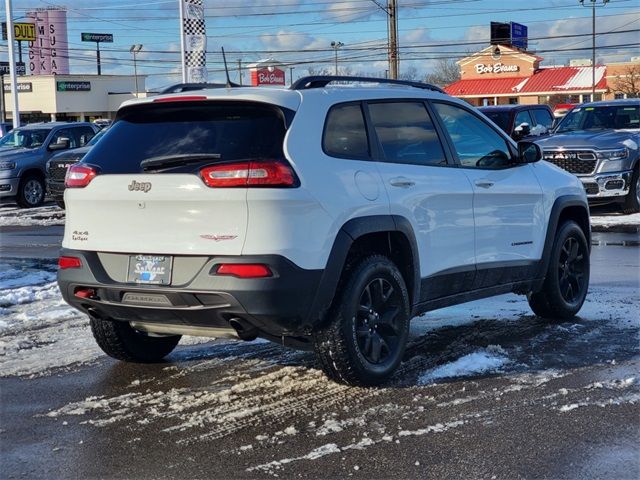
(437, 428)
(488, 360)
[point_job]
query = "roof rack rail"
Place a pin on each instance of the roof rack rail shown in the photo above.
(321, 81)
(189, 87)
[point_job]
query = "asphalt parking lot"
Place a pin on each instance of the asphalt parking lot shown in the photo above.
(486, 390)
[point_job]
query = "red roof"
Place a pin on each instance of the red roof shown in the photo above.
(480, 86)
(560, 79)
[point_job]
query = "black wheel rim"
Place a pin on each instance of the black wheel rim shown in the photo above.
(571, 270)
(377, 328)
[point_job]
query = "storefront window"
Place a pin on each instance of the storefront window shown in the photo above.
(619, 96)
(574, 99)
(513, 101)
(543, 100)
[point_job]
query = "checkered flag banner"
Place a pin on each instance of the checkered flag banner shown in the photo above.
(194, 34)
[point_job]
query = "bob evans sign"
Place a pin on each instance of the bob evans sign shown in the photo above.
(496, 68)
(267, 76)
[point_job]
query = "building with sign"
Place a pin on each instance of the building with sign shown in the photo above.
(266, 73)
(44, 98)
(501, 74)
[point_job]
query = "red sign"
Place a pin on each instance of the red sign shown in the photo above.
(267, 76)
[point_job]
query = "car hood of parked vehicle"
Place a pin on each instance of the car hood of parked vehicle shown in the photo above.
(599, 139)
(18, 153)
(72, 154)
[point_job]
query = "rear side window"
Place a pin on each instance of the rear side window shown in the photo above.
(543, 117)
(345, 134)
(406, 133)
(522, 117)
(227, 131)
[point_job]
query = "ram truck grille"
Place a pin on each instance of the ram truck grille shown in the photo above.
(574, 161)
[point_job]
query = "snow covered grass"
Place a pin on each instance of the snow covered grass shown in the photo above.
(611, 220)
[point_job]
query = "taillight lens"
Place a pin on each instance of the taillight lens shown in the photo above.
(266, 173)
(184, 98)
(69, 262)
(79, 176)
(244, 270)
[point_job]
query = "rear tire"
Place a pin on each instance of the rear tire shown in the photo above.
(366, 333)
(632, 200)
(31, 191)
(567, 279)
(122, 342)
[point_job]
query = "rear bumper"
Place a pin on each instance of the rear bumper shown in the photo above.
(274, 306)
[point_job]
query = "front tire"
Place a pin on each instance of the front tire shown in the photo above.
(632, 200)
(121, 341)
(31, 191)
(567, 280)
(366, 334)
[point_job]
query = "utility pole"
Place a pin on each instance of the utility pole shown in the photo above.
(593, 44)
(240, 71)
(12, 66)
(135, 49)
(336, 46)
(393, 38)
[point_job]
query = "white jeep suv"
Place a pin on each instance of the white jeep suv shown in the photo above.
(321, 217)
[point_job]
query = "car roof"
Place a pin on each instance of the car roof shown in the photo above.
(51, 125)
(509, 108)
(612, 103)
(292, 99)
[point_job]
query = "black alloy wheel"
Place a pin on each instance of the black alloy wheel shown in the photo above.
(376, 328)
(363, 338)
(571, 270)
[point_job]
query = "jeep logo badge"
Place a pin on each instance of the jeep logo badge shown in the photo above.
(139, 186)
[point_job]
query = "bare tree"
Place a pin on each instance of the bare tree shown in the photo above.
(445, 72)
(628, 82)
(410, 73)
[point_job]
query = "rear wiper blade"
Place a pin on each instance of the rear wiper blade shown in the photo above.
(177, 160)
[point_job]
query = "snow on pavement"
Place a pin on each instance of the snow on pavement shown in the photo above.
(11, 215)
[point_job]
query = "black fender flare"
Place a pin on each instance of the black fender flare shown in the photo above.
(559, 206)
(347, 235)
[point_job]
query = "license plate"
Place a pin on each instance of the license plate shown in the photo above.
(151, 269)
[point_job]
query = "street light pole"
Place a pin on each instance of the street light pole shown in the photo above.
(336, 46)
(12, 66)
(593, 44)
(135, 49)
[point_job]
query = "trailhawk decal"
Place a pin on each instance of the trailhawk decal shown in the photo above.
(218, 238)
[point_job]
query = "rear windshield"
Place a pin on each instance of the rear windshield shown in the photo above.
(218, 132)
(499, 118)
(603, 117)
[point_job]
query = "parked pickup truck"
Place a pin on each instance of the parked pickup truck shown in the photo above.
(598, 142)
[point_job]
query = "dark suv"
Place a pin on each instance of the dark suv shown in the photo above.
(24, 153)
(520, 121)
(59, 163)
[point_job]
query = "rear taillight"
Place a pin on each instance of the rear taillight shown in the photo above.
(183, 98)
(79, 176)
(265, 173)
(244, 270)
(69, 262)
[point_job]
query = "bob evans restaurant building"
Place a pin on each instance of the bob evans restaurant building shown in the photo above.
(500, 75)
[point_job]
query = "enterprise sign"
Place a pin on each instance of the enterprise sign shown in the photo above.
(22, 87)
(97, 37)
(73, 86)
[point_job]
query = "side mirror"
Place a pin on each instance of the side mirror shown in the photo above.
(522, 130)
(529, 152)
(62, 144)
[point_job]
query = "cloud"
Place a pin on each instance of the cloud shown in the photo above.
(292, 40)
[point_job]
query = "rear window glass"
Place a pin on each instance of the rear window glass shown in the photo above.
(227, 131)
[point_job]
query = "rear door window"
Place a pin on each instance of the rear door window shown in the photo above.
(406, 133)
(523, 117)
(211, 131)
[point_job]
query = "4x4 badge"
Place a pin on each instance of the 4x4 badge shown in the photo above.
(218, 238)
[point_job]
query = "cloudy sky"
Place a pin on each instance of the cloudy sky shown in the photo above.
(299, 32)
